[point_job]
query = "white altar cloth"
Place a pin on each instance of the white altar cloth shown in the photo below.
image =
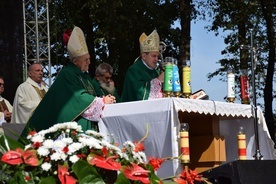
(128, 122)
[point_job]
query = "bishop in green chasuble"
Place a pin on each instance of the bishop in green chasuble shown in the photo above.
(143, 81)
(70, 98)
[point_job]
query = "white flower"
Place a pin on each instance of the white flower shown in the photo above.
(123, 155)
(95, 134)
(46, 166)
(63, 156)
(114, 148)
(28, 146)
(67, 131)
(74, 147)
(67, 140)
(74, 158)
(37, 138)
(91, 142)
(52, 129)
(129, 146)
(48, 143)
(59, 145)
(139, 156)
(42, 151)
(56, 156)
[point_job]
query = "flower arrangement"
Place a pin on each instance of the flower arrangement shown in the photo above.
(65, 154)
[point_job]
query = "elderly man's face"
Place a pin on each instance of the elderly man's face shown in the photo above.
(105, 78)
(82, 62)
(36, 73)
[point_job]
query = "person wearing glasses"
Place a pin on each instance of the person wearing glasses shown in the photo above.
(5, 106)
(70, 97)
(102, 83)
(28, 94)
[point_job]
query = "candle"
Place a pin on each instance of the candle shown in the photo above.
(230, 86)
(241, 144)
(186, 80)
(184, 142)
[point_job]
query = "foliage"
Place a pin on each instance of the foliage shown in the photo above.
(237, 18)
(112, 29)
(64, 154)
(250, 28)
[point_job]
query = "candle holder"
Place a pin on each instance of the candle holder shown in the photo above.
(184, 145)
(230, 85)
(241, 144)
(186, 79)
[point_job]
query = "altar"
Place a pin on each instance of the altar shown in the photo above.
(213, 130)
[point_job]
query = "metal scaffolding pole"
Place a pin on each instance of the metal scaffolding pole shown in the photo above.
(37, 37)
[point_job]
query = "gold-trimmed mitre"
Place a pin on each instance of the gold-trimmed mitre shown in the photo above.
(77, 45)
(149, 43)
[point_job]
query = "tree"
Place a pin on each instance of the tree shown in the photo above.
(238, 17)
(11, 44)
(268, 11)
(112, 28)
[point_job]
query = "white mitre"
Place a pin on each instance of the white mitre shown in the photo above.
(77, 45)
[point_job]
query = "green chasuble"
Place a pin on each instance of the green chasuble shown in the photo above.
(99, 91)
(137, 82)
(68, 97)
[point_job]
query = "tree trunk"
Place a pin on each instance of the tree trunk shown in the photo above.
(267, 10)
(185, 23)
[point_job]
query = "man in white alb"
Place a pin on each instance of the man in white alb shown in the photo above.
(28, 95)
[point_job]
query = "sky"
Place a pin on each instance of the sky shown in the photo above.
(205, 52)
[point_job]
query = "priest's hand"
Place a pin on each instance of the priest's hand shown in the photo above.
(109, 99)
(7, 115)
(161, 77)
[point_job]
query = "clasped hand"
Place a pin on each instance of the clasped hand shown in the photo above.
(7, 115)
(109, 99)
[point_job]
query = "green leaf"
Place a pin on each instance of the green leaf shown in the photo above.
(48, 180)
(92, 179)
(83, 169)
(122, 179)
(152, 176)
(12, 144)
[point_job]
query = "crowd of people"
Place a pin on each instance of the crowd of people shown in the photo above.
(74, 95)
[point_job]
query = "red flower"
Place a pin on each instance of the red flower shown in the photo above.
(30, 157)
(65, 149)
(189, 177)
(64, 176)
(195, 176)
(102, 162)
(135, 172)
(81, 155)
(47, 159)
(179, 181)
(156, 162)
(36, 145)
(139, 147)
(27, 178)
(104, 151)
(32, 132)
(74, 133)
(13, 157)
